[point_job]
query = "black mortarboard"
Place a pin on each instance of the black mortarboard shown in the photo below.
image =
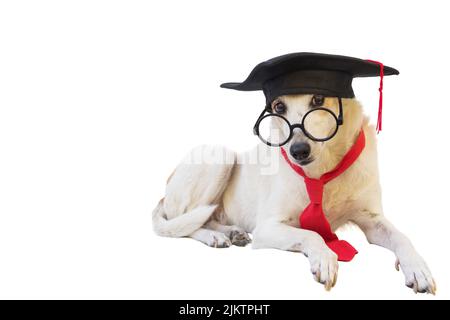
(310, 73)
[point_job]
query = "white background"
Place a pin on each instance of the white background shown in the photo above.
(99, 100)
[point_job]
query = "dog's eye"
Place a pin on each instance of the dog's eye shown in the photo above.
(317, 100)
(280, 108)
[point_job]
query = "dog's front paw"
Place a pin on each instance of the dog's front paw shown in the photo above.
(324, 267)
(417, 275)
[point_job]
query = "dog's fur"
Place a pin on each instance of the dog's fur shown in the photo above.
(220, 203)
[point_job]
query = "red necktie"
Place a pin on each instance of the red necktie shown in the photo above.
(313, 218)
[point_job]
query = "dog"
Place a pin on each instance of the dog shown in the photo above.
(219, 204)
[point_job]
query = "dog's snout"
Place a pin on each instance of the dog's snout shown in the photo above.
(300, 150)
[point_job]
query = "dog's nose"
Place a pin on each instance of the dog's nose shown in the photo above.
(300, 150)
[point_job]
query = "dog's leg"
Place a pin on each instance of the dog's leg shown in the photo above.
(237, 235)
(380, 231)
(324, 264)
(211, 238)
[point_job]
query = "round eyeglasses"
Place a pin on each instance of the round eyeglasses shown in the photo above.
(318, 124)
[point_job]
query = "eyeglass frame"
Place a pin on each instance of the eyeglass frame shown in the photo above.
(339, 121)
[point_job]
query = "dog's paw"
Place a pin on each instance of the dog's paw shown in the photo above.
(239, 237)
(417, 275)
(218, 240)
(324, 267)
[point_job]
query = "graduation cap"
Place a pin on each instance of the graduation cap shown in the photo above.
(312, 73)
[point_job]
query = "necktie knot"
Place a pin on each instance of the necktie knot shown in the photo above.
(315, 190)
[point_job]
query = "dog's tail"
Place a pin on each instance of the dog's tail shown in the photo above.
(182, 225)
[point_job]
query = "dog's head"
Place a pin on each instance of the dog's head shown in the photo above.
(303, 150)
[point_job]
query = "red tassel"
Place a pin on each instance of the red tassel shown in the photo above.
(380, 104)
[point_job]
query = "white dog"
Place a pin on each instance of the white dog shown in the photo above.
(219, 203)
